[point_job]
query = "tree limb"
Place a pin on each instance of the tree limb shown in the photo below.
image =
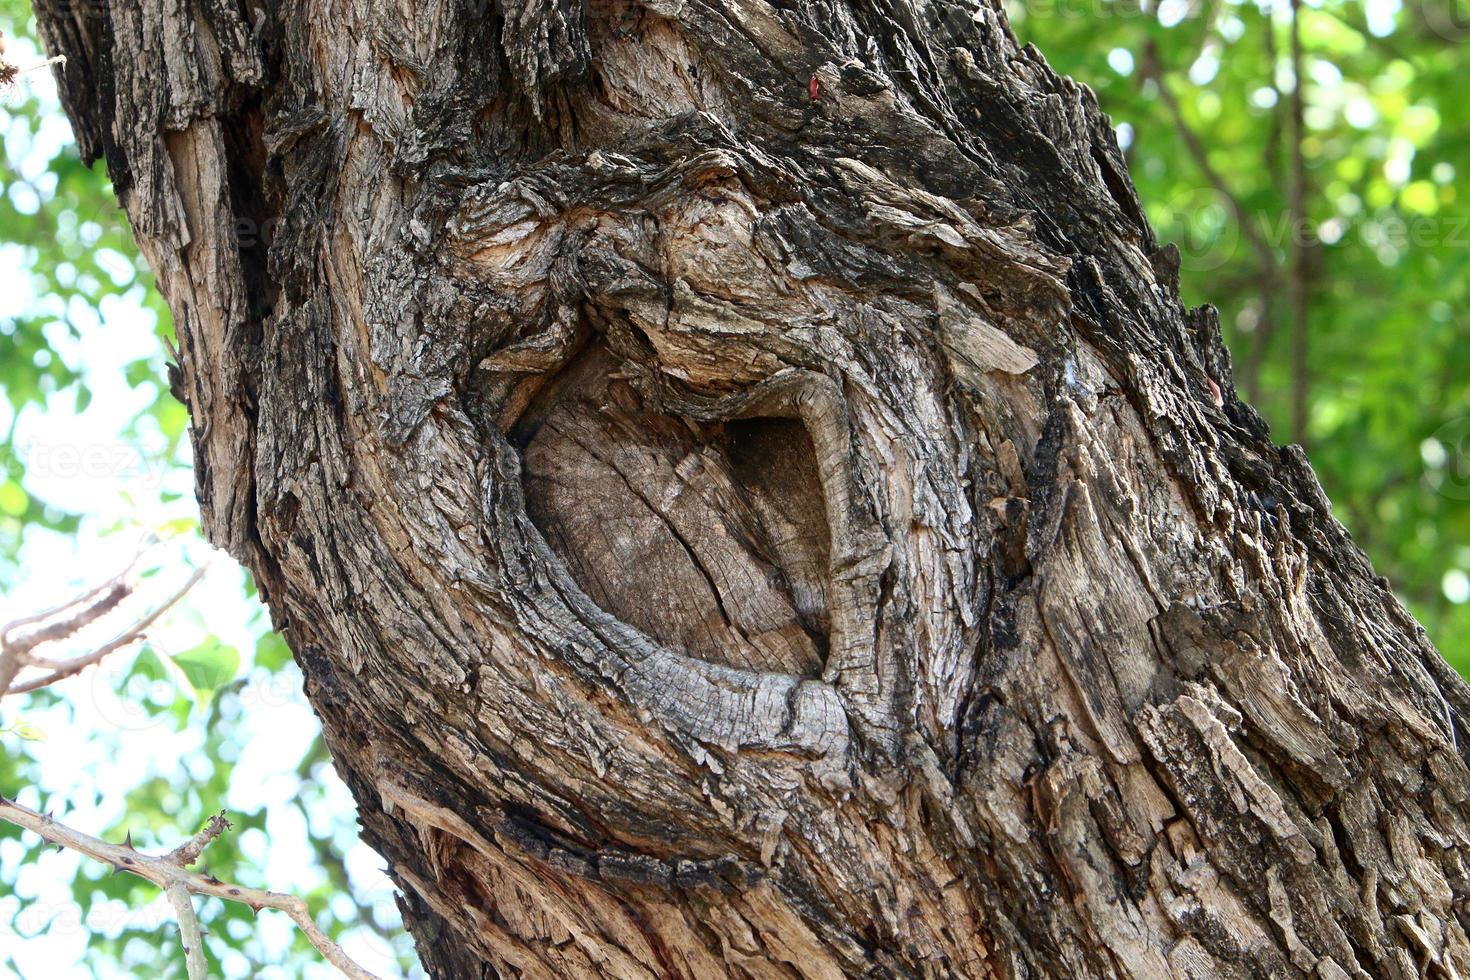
(170, 873)
(1301, 240)
(190, 934)
(15, 655)
(1151, 68)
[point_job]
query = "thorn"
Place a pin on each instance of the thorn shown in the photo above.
(128, 841)
(59, 848)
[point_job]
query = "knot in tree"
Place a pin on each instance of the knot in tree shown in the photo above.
(748, 500)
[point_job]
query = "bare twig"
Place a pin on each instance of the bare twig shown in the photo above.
(59, 59)
(190, 935)
(1268, 274)
(170, 873)
(1298, 286)
(85, 615)
(1151, 69)
(16, 654)
(1265, 330)
(72, 603)
(188, 852)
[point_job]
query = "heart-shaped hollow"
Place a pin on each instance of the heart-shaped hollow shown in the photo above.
(710, 538)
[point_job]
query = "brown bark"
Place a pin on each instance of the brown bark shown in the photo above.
(748, 501)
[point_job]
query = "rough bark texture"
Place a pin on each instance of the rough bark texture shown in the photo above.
(748, 500)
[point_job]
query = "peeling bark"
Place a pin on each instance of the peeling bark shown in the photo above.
(748, 500)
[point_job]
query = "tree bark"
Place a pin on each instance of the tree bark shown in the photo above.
(748, 501)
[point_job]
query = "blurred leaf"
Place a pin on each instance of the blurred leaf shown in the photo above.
(24, 730)
(208, 667)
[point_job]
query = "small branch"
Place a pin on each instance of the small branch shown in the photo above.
(189, 932)
(1298, 286)
(112, 593)
(1151, 68)
(59, 59)
(187, 853)
(60, 670)
(169, 873)
(71, 603)
(1265, 330)
(16, 654)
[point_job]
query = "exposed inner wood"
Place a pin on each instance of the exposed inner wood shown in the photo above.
(774, 461)
(710, 539)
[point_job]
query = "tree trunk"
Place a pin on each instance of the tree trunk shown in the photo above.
(748, 501)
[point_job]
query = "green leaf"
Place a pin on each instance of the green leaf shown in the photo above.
(208, 667)
(13, 499)
(25, 731)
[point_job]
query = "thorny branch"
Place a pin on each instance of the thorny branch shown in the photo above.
(17, 652)
(19, 640)
(171, 873)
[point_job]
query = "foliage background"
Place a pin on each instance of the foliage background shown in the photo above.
(1385, 237)
(209, 713)
(1344, 306)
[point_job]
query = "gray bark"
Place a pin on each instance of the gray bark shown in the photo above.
(748, 500)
